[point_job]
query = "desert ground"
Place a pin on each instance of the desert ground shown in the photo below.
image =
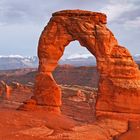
(76, 122)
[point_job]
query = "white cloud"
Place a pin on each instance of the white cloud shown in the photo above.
(132, 23)
(21, 21)
(115, 9)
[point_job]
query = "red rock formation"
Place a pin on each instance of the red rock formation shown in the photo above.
(119, 85)
(5, 90)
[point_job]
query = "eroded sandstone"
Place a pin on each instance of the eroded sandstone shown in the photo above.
(119, 84)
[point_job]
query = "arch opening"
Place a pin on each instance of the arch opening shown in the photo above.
(78, 78)
(74, 51)
(77, 66)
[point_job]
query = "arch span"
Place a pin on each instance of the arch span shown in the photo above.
(119, 84)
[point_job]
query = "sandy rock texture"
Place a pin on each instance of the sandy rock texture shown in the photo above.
(119, 83)
(77, 121)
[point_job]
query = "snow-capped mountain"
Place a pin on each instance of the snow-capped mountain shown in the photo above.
(11, 56)
(79, 60)
(77, 56)
(137, 58)
(17, 62)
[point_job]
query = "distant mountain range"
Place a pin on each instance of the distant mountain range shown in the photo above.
(18, 62)
(137, 58)
(79, 60)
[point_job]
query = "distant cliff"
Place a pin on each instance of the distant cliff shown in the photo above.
(69, 75)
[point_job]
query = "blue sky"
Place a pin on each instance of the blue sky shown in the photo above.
(21, 22)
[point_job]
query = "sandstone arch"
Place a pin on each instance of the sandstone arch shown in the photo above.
(119, 84)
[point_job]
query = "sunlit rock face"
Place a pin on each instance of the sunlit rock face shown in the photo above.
(119, 84)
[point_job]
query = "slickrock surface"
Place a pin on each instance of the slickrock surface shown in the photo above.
(119, 83)
(77, 121)
(133, 132)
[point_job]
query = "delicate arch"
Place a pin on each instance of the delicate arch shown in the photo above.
(119, 75)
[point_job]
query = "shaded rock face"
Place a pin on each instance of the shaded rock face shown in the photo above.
(119, 84)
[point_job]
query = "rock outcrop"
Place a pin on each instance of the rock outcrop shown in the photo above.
(119, 84)
(5, 90)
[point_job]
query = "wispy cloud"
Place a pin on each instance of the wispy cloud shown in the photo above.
(132, 24)
(14, 11)
(115, 9)
(23, 20)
